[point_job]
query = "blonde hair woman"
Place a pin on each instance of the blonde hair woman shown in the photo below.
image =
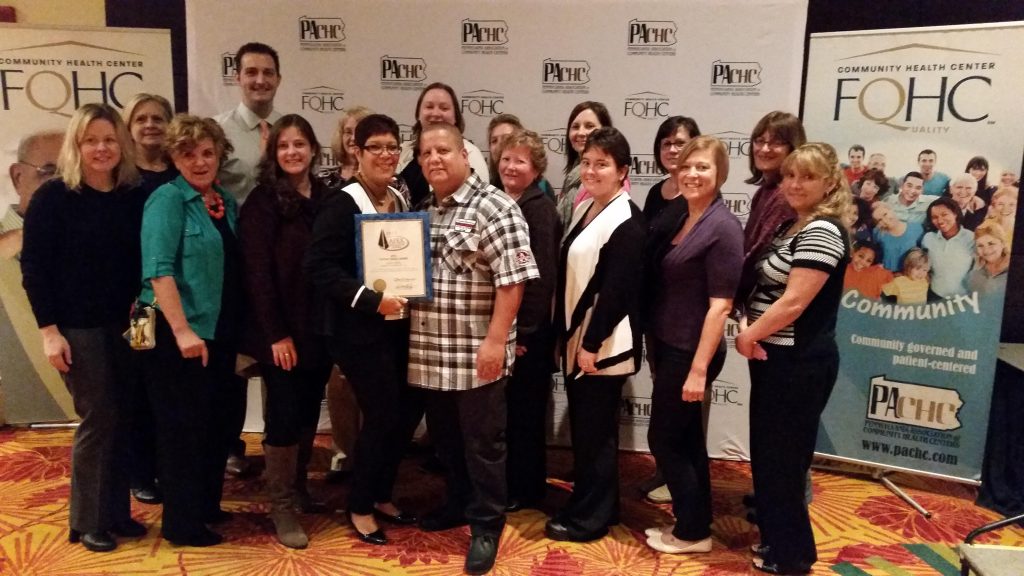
(789, 337)
(80, 264)
(343, 143)
(147, 117)
(992, 261)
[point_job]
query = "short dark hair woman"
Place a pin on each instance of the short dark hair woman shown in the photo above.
(367, 330)
(673, 134)
(597, 315)
(80, 267)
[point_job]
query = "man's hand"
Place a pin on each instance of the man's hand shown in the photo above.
(490, 359)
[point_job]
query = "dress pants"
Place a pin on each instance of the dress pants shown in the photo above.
(193, 435)
(528, 394)
(676, 438)
(293, 401)
(594, 403)
(377, 373)
(468, 430)
(101, 391)
(788, 392)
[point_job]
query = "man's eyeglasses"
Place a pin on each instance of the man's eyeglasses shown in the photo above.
(44, 172)
(378, 149)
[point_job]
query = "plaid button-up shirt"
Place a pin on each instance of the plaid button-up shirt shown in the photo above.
(479, 242)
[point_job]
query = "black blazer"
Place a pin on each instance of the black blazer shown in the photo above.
(343, 308)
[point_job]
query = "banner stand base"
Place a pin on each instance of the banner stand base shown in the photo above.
(880, 475)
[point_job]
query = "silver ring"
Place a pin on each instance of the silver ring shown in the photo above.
(287, 354)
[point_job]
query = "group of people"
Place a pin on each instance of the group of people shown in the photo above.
(224, 232)
(927, 236)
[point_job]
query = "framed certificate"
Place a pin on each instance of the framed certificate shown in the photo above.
(393, 253)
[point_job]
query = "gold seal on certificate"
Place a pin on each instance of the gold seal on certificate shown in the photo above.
(393, 253)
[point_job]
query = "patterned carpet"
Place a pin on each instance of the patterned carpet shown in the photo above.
(861, 528)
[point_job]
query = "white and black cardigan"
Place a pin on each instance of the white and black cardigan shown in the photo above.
(600, 276)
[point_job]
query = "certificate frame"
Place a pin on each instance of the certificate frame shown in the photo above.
(387, 255)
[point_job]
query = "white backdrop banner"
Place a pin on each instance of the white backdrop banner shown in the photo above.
(45, 74)
(724, 63)
(915, 378)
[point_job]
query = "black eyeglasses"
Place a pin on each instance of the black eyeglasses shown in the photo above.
(378, 149)
(43, 172)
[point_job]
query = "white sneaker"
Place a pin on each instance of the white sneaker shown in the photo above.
(677, 546)
(660, 495)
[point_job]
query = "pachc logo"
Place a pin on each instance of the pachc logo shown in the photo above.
(554, 140)
(914, 404)
(402, 73)
(323, 99)
(565, 76)
(646, 106)
(328, 162)
(319, 33)
(651, 38)
(634, 410)
(725, 394)
(228, 70)
(484, 36)
(644, 171)
(483, 103)
(737, 143)
(735, 78)
(61, 85)
(925, 97)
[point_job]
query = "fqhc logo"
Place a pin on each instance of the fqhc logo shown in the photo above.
(554, 140)
(484, 36)
(725, 393)
(644, 170)
(228, 70)
(323, 99)
(321, 33)
(737, 143)
(483, 103)
(565, 76)
(634, 410)
(735, 78)
(651, 38)
(646, 106)
(402, 73)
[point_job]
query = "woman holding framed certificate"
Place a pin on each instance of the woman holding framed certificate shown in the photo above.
(367, 332)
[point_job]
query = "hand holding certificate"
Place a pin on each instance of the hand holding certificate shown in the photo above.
(393, 253)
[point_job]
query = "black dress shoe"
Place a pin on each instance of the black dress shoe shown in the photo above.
(217, 516)
(514, 506)
(442, 519)
(483, 549)
(774, 568)
(402, 518)
(148, 495)
(377, 537)
(557, 530)
(200, 539)
(129, 529)
(238, 465)
(749, 501)
(94, 541)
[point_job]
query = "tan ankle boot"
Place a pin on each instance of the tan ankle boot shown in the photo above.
(280, 481)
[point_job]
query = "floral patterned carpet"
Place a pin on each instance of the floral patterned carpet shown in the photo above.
(861, 528)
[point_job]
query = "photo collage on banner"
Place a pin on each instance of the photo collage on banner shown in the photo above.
(644, 60)
(45, 74)
(937, 111)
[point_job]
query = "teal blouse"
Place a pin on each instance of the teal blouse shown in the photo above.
(179, 239)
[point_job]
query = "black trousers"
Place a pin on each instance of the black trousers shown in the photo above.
(377, 373)
(676, 438)
(788, 392)
(594, 403)
(100, 387)
(193, 434)
(293, 401)
(468, 430)
(528, 395)
(142, 443)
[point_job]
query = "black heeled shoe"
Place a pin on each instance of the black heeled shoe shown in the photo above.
(200, 539)
(129, 528)
(377, 537)
(93, 541)
(402, 518)
(770, 567)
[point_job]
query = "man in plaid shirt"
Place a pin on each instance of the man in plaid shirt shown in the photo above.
(462, 342)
